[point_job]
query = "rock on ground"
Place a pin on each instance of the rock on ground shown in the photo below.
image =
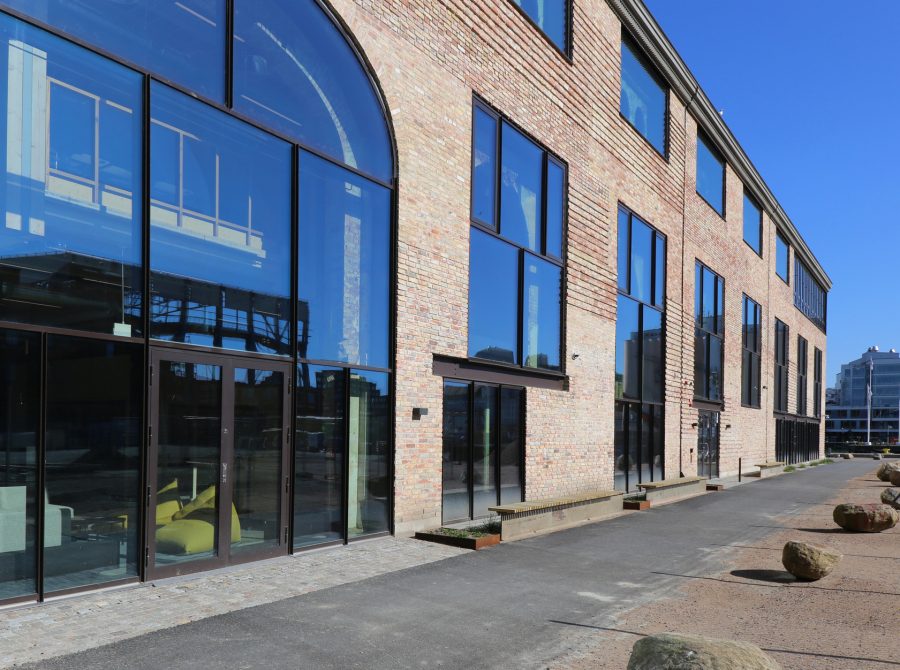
(884, 471)
(891, 496)
(895, 477)
(868, 518)
(670, 651)
(808, 561)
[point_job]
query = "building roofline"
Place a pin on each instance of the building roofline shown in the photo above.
(643, 27)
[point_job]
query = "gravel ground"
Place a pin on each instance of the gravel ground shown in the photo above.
(848, 621)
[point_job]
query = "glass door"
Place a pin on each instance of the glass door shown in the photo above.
(708, 444)
(218, 471)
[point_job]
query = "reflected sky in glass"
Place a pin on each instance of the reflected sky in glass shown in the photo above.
(710, 176)
(643, 100)
(541, 314)
(521, 203)
(493, 298)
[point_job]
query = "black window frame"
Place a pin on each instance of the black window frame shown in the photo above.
(779, 238)
(802, 374)
(751, 352)
(782, 360)
(755, 203)
(566, 50)
(632, 44)
(817, 383)
(809, 295)
(716, 154)
(700, 330)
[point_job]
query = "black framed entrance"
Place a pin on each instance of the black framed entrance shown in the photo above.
(708, 444)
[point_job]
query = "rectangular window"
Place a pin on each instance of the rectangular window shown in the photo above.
(817, 383)
(709, 337)
(782, 258)
(782, 346)
(802, 372)
(809, 296)
(751, 354)
(710, 175)
(516, 272)
(644, 99)
(552, 17)
(752, 223)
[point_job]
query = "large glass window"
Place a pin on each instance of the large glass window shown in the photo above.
(368, 462)
(710, 175)
(751, 353)
(484, 167)
(493, 298)
(752, 223)
(643, 98)
(344, 261)
(521, 189)
(809, 296)
(802, 374)
(552, 17)
(781, 366)
(220, 219)
(182, 40)
(70, 241)
(782, 257)
(294, 72)
(540, 314)
(709, 340)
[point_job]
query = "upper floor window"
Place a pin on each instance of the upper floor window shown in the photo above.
(753, 223)
(752, 346)
(802, 372)
(809, 296)
(817, 383)
(552, 17)
(782, 258)
(781, 366)
(709, 339)
(710, 175)
(644, 98)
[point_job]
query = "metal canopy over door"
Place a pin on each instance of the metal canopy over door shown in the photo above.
(708, 444)
(219, 470)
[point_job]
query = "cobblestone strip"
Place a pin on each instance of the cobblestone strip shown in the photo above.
(82, 622)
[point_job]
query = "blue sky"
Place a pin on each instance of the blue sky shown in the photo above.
(811, 89)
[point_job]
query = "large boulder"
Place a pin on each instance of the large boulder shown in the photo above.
(895, 477)
(670, 651)
(891, 497)
(869, 518)
(884, 471)
(808, 561)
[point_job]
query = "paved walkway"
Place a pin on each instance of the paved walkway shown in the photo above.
(518, 605)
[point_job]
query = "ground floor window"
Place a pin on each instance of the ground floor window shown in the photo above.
(639, 444)
(484, 448)
(796, 440)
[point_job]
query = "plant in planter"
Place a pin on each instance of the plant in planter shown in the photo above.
(475, 537)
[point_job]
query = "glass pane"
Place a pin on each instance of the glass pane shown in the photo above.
(484, 430)
(345, 260)
(550, 16)
(188, 463)
(541, 314)
(619, 448)
(781, 257)
(70, 241)
(628, 349)
(653, 390)
(647, 439)
(720, 306)
(93, 462)
(455, 464)
(701, 362)
(698, 295)
(709, 301)
(295, 72)
(641, 260)
(220, 233)
(659, 282)
(493, 299)
(622, 234)
(643, 100)
(710, 176)
(370, 452)
(258, 442)
(556, 208)
(658, 469)
(512, 445)
(715, 368)
(319, 455)
(20, 379)
(183, 41)
(521, 205)
(484, 168)
(752, 224)
(634, 437)
(746, 371)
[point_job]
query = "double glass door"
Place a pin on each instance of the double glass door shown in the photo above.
(218, 475)
(708, 444)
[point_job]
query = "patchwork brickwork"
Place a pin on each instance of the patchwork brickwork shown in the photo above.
(430, 57)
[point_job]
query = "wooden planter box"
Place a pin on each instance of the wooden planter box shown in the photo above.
(639, 505)
(475, 543)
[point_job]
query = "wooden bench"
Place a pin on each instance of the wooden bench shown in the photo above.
(526, 519)
(769, 469)
(669, 489)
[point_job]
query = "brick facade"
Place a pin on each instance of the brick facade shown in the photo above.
(430, 57)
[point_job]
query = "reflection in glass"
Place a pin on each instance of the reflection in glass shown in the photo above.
(628, 349)
(319, 455)
(70, 241)
(623, 249)
(511, 445)
(652, 390)
(659, 279)
(752, 224)
(521, 180)
(455, 463)
(183, 41)
(701, 370)
(643, 99)
(641, 260)
(634, 444)
(493, 298)
(550, 16)
(20, 373)
(188, 463)
(715, 367)
(710, 176)
(93, 453)
(344, 260)
(295, 73)
(220, 231)
(556, 208)
(484, 168)
(620, 443)
(782, 255)
(258, 440)
(645, 468)
(541, 314)
(368, 509)
(484, 450)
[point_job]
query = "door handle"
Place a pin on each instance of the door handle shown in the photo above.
(224, 473)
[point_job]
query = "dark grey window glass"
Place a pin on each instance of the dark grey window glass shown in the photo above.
(782, 258)
(716, 353)
(781, 366)
(319, 455)
(710, 334)
(183, 41)
(802, 374)
(368, 465)
(750, 355)
(809, 296)
(643, 98)
(456, 454)
(93, 444)
(817, 383)
(512, 444)
(541, 320)
(752, 224)
(20, 412)
(344, 265)
(628, 349)
(641, 261)
(710, 175)
(551, 16)
(484, 168)
(295, 72)
(493, 298)
(220, 222)
(652, 363)
(659, 277)
(556, 208)
(521, 189)
(70, 242)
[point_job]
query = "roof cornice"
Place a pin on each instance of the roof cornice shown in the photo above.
(639, 22)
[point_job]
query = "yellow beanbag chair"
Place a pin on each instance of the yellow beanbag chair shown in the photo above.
(167, 503)
(192, 530)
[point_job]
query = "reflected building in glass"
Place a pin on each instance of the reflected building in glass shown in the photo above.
(847, 409)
